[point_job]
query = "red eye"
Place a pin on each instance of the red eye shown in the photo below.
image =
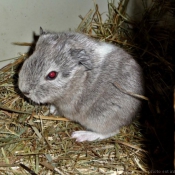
(52, 75)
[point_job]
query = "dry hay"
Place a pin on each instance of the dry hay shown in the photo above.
(34, 143)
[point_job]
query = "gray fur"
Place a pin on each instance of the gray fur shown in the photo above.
(83, 91)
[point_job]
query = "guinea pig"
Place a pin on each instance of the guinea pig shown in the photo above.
(75, 74)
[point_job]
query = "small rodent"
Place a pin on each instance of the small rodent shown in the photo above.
(75, 74)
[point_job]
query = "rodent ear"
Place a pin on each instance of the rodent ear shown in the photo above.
(41, 31)
(81, 57)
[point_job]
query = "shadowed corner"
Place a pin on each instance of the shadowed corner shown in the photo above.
(174, 122)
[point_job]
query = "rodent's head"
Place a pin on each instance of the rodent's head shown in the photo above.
(58, 61)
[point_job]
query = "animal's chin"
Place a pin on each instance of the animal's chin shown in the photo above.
(40, 101)
(36, 100)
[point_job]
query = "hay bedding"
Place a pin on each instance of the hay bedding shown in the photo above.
(32, 142)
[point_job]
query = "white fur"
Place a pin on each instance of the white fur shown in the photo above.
(82, 136)
(103, 49)
(53, 109)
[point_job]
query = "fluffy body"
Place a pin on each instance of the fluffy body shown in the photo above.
(83, 90)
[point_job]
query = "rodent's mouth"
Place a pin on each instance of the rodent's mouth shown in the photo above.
(33, 99)
(40, 100)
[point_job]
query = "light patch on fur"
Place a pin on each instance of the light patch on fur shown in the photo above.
(82, 136)
(103, 49)
(53, 110)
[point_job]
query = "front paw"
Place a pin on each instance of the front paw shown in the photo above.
(53, 110)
